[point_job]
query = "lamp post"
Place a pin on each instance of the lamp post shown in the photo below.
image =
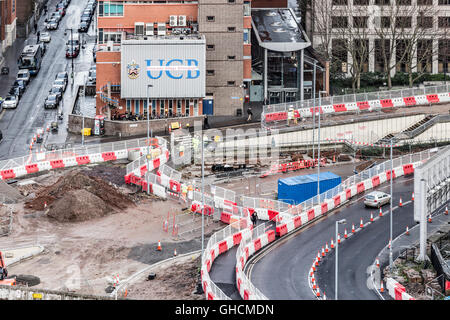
(390, 214)
(148, 138)
(343, 221)
(314, 107)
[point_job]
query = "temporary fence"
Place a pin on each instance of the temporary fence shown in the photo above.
(361, 102)
(292, 166)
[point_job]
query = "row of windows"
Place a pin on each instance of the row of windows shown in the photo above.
(171, 107)
(387, 2)
(110, 9)
(385, 22)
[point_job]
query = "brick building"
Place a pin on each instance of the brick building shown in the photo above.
(8, 22)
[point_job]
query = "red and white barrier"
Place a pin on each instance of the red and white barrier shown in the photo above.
(396, 290)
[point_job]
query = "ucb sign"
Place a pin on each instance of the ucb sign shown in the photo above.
(174, 69)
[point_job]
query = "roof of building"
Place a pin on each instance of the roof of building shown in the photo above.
(277, 29)
(307, 178)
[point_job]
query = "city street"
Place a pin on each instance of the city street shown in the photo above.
(19, 125)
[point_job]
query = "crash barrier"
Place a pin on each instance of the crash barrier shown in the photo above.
(292, 166)
(42, 161)
(254, 241)
(355, 102)
(396, 290)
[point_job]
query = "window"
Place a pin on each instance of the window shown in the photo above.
(425, 2)
(210, 72)
(179, 103)
(170, 107)
(105, 36)
(404, 2)
(443, 22)
(443, 2)
(195, 107)
(231, 1)
(385, 22)
(424, 55)
(402, 54)
(231, 57)
(362, 53)
(100, 35)
(231, 83)
(382, 2)
(339, 22)
(425, 22)
(154, 107)
(360, 22)
(162, 107)
(339, 55)
(339, 2)
(231, 29)
(129, 106)
(187, 107)
(247, 9)
(13, 9)
(136, 106)
(210, 47)
(110, 9)
(210, 18)
(360, 2)
(403, 22)
(443, 56)
(246, 36)
(379, 56)
(145, 106)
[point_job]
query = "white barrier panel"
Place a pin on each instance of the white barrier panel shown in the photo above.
(159, 191)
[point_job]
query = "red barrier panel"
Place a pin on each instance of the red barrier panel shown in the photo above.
(246, 295)
(276, 116)
(324, 207)
(83, 160)
(316, 109)
(31, 168)
(296, 114)
(257, 244)
(156, 163)
(239, 281)
(311, 214)
(337, 200)
(386, 103)
(196, 207)
(348, 194)
(375, 181)
(208, 265)
(410, 101)
(174, 185)
(283, 167)
(143, 170)
(272, 214)
(399, 289)
(363, 105)
(7, 174)
(128, 178)
(297, 221)
(213, 256)
(208, 210)
(223, 247)
(408, 169)
(388, 174)
(360, 187)
(270, 235)
(205, 284)
(57, 164)
(144, 186)
(109, 156)
(225, 217)
(246, 253)
(339, 107)
(281, 230)
(432, 98)
(241, 259)
(210, 296)
(237, 238)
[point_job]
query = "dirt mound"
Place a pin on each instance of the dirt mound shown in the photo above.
(78, 205)
(77, 180)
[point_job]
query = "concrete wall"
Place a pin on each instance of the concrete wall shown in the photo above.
(22, 293)
(129, 128)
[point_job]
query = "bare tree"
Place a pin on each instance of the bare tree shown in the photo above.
(322, 13)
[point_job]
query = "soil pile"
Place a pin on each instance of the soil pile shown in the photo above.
(78, 205)
(77, 180)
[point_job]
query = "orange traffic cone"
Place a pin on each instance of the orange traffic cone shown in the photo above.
(175, 252)
(311, 271)
(361, 224)
(378, 262)
(407, 231)
(429, 218)
(318, 256)
(412, 198)
(332, 244)
(324, 296)
(318, 292)
(159, 246)
(314, 286)
(334, 158)
(45, 204)
(381, 287)
(446, 211)
(400, 204)
(345, 234)
(353, 228)
(339, 238)
(323, 252)
(326, 247)
(316, 263)
(371, 217)
(381, 213)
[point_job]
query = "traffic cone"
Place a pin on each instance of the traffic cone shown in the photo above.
(332, 244)
(381, 213)
(318, 256)
(323, 252)
(345, 234)
(353, 228)
(311, 271)
(361, 224)
(400, 203)
(45, 204)
(324, 296)
(159, 246)
(389, 245)
(378, 262)
(429, 218)
(334, 158)
(318, 292)
(371, 217)
(446, 211)
(407, 231)
(326, 247)
(381, 287)
(339, 238)
(175, 252)
(314, 286)
(412, 198)
(316, 263)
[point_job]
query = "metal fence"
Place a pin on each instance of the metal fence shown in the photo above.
(353, 98)
(142, 161)
(170, 172)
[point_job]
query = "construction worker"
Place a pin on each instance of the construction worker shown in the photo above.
(190, 192)
(184, 191)
(290, 115)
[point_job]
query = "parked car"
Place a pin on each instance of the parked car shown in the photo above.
(92, 77)
(60, 83)
(51, 101)
(52, 24)
(17, 91)
(377, 199)
(24, 75)
(63, 75)
(72, 52)
(5, 70)
(10, 102)
(56, 90)
(61, 9)
(45, 37)
(56, 15)
(18, 84)
(83, 27)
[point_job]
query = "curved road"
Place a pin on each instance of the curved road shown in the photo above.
(282, 271)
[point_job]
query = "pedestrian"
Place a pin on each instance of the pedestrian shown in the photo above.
(250, 113)
(35, 27)
(205, 123)
(38, 36)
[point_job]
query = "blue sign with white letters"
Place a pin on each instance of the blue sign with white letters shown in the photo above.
(174, 69)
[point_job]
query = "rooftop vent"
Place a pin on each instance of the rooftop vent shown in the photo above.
(279, 30)
(276, 24)
(271, 14)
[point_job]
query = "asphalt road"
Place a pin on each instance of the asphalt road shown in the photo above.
(19, 125)
(282, 272)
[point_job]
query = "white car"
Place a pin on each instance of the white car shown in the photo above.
(377, 199)
(45, 37)
(60, 83)
(24, 75)
(10, 102)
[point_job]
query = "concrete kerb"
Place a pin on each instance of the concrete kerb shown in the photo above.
(31, 254)
(123, 284)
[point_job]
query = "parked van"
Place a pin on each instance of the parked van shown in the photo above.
(24, 75)
(74, 41)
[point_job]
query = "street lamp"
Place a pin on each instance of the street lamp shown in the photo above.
(390, 214)
(71, 45)
(318, 148)
(148, 137)
(343, 221)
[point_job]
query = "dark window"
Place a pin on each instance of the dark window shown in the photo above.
(360, 22)
(362, 54)
(339, 55)
(231, 1)
(385, 22)
(444, 22)
(210, 47)
(402, 55)
(404, 2)
(210, 18)
(231, 83)
(231, 29)
(339, 2)
(425, 2)
(424, 55)
(231, 57)
(403, 22)
(379, 56)
(210, 72)
(382, 2)
(360, 2)
(425, 22)
(444, 56)
(443, 2)
(339, 22)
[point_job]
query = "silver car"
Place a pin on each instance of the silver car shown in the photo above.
(45, 37)
(377, 199)
(10, 102)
